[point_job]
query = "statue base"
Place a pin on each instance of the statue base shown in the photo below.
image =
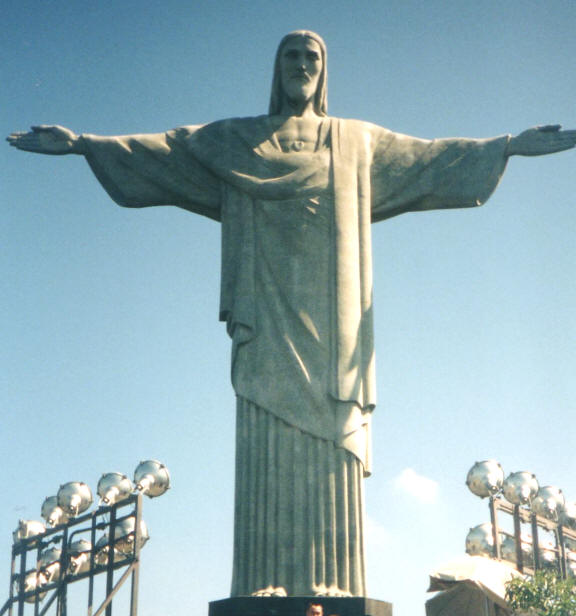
(296, 606)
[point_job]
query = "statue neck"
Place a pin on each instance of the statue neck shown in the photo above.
(298, 108)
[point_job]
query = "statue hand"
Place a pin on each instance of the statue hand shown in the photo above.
(46, 139)
(542, 140)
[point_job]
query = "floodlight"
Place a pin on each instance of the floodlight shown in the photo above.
(32, 581)
(568, 515)
(123, 541)
(27, 529)
(49, 564)
(114, 488)
(479, 541)
(74, 497)
(79, 556)
(52, 512)
(124, 534)
(485, 478)
(520, 488)
(103, 551)
(152, 478)
(546, 551)
(549, 502)
(508, 548)
(548, 555)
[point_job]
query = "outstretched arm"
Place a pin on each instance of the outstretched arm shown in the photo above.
(542, 140)
(136, 170)
(45, 139)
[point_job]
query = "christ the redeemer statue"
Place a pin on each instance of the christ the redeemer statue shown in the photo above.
(296, 192)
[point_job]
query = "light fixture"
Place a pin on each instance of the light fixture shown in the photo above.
(52, 512)
(49, 564)
(508, 548)
(485, 478)
(27, 529)
(520, 488)
(32, 581)
(549, 502)
(479, 541)
(103, 551)
(548, 555)
(568, 515)
(74, 497)
(114, 488)
(124, 535)
(79, 552)
(520, 497)
(123, 541)
(152, 478)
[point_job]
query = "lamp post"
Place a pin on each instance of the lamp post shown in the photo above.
(80, 556)
(529, 505)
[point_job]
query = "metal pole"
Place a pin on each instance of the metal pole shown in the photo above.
(517, 537)
(109, 597)
(12, 573)
(561, 551)
(63, 588)
(136, 571)
(111, 550)
(92, 563)
(535, 542)
(37, 596)
(21, 580)
(495, 530)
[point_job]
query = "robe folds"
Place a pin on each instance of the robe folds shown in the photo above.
(296, 295)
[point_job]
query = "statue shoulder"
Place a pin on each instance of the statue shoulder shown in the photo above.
(239, 124)
(361, 126)
(226, 124)
(364, 134)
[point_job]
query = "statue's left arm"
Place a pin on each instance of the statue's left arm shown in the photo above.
(413, 175)
(410, 174)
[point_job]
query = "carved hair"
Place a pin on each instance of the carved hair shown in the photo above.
(320, 97)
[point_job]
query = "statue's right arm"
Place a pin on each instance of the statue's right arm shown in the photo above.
(47, 139)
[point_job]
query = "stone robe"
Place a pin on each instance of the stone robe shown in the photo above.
(296, 294)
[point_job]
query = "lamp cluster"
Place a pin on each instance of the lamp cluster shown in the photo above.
(539, 507)
(119, 537)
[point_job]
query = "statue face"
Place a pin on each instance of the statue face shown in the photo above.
(300, 68)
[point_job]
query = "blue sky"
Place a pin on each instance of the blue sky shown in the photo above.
(111, 348)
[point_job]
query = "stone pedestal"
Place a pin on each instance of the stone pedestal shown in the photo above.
(296, 606)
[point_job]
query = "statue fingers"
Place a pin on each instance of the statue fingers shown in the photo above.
(549, 128)
(569, 135)
(15, 135)
(13, 138)
(565, 140)
(23, 141)
(43, 127)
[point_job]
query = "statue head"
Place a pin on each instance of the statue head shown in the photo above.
(279, 89)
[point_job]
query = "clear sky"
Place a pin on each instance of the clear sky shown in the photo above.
(111, 348)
